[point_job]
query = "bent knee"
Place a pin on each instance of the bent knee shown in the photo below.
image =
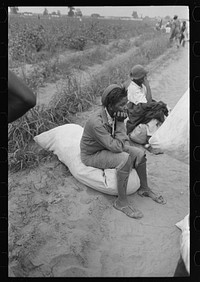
(139, 157)
(125, 161)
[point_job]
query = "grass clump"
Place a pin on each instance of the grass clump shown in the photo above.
(72, 99)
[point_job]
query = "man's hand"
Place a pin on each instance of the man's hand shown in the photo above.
(148, 94)
(120, 116)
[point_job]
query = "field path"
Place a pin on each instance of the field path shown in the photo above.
(58, 227)
(45, 94)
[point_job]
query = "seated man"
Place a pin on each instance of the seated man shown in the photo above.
(20, 97)
(105, 144)
(142, 109)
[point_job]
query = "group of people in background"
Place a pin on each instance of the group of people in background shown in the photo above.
(178, 31)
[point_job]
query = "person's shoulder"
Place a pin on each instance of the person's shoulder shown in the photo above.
(132, 85)
(95, 119)
(126, 84)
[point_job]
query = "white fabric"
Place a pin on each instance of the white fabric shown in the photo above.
(140, 133)
(172, 137)
(64, 141)
(185, 241)
(152, 126)
(136, 94)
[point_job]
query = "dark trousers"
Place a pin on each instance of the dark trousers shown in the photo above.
(180, 269)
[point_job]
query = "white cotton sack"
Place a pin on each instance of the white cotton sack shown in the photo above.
(172, 137)
(185, 241)
(64, 141)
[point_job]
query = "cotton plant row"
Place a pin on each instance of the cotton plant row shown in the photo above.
(30, 38)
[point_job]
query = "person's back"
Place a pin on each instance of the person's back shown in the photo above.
(183, 27)
(177, 25)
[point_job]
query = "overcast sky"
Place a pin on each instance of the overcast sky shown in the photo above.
(151, 11)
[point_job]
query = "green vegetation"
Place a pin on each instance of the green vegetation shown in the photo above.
(74, 97)
(30, 39)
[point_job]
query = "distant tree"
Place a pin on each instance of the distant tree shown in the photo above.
(53, 13)
(71, 11)
(95, 16)
(135, 15)
(59, 13)
(14, 10)
(45, 13)
(78, 13)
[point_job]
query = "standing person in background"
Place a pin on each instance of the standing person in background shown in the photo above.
(20, 97)
(183, 32)
(175, 31)
(168, 27)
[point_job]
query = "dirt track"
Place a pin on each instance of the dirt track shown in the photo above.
(58, 227)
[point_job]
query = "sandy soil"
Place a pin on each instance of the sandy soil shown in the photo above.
(58, 227)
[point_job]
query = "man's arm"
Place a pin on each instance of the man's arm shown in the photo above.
(20, 97)
(148, 94)
(103, 137)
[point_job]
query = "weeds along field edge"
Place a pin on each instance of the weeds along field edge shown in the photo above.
(73, 98)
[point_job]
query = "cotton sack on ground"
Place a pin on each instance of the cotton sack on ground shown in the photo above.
(173, 136)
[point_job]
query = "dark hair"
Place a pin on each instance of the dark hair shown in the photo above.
(115, 96)
(175, 17)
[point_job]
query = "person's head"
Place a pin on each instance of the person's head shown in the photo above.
(138, 74)
(114, 99)
(184, 22)
(175, 17)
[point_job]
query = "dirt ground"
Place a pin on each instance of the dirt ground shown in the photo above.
(58, 227)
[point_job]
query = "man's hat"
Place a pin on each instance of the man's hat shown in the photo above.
(107, 91)
(138, 72)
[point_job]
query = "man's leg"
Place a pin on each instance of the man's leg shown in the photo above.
(139, 163)
(144, 189)
(123, 164)
(122, 179)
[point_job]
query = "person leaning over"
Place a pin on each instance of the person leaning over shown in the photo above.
(105, 144)
(20, 97)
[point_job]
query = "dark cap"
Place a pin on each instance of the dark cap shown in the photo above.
(107, 91)
(138, 72)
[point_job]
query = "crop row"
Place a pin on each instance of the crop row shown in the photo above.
(33, 39)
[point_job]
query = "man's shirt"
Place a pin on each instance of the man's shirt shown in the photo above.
(137, 94)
